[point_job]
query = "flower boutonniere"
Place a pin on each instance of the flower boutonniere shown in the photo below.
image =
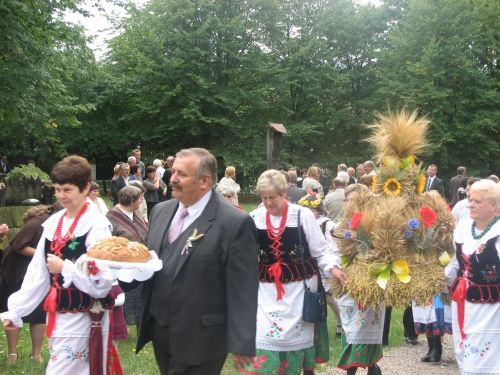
(189, 243)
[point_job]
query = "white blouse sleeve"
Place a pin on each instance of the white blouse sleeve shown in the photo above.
(98, 285)
(451, 270)
(36, 285)
(318, 245)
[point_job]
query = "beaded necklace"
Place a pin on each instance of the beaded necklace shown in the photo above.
(59, 241)
(490, 225)
(275, 233)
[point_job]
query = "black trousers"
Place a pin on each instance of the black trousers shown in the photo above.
(408, 324)
(168, 364)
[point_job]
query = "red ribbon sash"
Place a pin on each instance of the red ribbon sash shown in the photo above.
(275, 272)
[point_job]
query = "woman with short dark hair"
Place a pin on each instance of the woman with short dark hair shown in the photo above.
(76, 296)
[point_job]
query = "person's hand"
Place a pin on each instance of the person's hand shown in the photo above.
(340, 275)
(9, 326)
(54, 264)
(4, 229)
(241, 360)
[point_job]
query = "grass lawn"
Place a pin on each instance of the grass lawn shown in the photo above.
(144, 363)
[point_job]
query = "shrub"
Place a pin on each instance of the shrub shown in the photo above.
(27, 171)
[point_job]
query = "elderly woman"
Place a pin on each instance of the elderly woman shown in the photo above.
(228, 183)
(284, 339)
(474, 275)
(126, 223)
(362, 342)
(142, 212)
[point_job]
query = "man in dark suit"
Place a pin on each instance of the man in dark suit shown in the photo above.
(456, 183)
(433, 182)
(203, 303)
(119, 182)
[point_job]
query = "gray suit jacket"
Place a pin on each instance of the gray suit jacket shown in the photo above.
(207, 297)
(334, 204)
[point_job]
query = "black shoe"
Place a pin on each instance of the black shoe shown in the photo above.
(437, 350)
(430, 343)
(352, 371)
(374, 370)
(412, 341)
(308, 372)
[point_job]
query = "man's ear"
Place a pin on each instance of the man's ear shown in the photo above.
(206, 182)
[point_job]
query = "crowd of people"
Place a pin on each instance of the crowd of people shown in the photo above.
(232, 282)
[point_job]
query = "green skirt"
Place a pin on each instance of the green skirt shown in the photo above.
(268, 362)
(359, 355)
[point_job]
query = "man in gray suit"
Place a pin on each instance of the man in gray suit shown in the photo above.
(334, 201)
(203, 303)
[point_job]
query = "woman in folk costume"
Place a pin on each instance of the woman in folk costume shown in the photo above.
(284, 340)
(321, 341)
(434, 318)
(391, 239)
(76, 295)
(474, 275)
(314, 202)
(363, 327)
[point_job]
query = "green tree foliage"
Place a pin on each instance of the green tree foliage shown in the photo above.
(212, 73)
(39, 60)
(443, 60)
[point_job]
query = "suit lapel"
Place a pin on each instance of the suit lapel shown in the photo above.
(203, 224)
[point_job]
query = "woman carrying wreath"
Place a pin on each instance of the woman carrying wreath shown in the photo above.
(363, 327)
(126, 223)
(284, 339)
(474, 275)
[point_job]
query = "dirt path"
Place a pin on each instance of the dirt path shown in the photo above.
(405, 360)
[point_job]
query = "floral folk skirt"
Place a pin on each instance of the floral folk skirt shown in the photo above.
(268, 362)
(359, 355)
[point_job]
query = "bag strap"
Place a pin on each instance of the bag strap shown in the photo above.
(301, 248)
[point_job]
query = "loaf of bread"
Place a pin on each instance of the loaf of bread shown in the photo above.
(119, 249)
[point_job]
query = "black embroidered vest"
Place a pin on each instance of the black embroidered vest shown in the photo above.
(482, 271)
(293, 269)
(72, 299)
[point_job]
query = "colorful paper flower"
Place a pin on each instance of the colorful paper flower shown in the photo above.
(413, 223)
(428, 216)
(407, 234)
(355, 220)
(347, 234)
